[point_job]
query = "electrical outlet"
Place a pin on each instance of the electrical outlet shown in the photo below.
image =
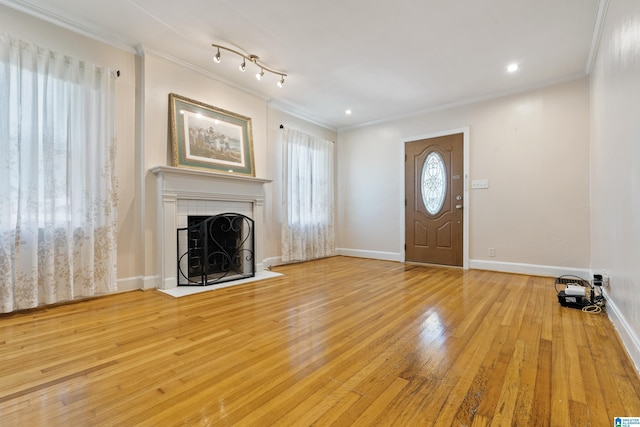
(492, 252)
(605, 280)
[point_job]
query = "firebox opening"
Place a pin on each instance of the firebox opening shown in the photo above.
(215, 249)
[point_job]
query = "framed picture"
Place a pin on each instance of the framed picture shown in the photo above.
(206, 137)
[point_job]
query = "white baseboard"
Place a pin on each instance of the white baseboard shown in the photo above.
(151, 282)
(383, 256)
(138, 282)
(358, 253)
(625, 332)
(531, 269)
(505, 267)
(272, 261)
(130, 284)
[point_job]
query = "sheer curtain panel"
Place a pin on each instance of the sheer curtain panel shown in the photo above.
(308, 218)
(58, 192)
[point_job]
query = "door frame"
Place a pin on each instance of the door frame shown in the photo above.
(465, 213)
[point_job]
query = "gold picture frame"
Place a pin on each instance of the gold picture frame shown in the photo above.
(207, 137)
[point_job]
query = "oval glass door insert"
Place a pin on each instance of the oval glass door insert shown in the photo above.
(434, 183)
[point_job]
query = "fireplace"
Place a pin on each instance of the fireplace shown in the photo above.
(215, 249)
(185, 192)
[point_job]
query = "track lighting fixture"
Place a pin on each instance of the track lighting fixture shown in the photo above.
(252, 58)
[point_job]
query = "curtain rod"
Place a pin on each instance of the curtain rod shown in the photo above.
(333, 142)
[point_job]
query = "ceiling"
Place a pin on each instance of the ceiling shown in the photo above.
(381, 59)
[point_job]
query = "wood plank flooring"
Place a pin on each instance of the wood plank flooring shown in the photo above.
(340, 341)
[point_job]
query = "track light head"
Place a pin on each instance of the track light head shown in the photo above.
(251, 58)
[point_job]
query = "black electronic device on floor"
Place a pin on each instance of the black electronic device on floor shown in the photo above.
(574, 301)
(579, 293)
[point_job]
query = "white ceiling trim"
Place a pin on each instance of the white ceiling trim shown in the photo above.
(603, 6)
(296, 111)
(470, 101)
(68, 24)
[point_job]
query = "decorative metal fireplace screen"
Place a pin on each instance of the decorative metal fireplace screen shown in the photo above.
(215, 249)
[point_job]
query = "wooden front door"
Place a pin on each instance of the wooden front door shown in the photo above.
(434, 187)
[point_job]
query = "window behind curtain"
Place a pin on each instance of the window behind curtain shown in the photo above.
(308, 228)
(58, 191)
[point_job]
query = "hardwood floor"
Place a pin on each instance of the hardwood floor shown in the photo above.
(340, 341)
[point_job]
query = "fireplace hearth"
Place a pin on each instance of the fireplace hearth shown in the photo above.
(215, 249)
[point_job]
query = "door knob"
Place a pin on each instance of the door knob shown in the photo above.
(458, 206)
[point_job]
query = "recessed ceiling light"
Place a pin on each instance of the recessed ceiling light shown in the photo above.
(348, 112)
(512, 68)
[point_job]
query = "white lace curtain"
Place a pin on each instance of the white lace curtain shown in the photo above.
(58, 192)
(308, 214)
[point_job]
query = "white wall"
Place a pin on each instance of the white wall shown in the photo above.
(615, 175)
(533, 148)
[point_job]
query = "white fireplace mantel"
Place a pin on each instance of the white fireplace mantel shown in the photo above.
(189, 184)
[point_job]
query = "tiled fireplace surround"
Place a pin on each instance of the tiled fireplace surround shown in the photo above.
(183, 192)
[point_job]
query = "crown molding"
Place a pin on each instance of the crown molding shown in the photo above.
(462, 103)
(68, 24)
(598, 27)
(300, 113)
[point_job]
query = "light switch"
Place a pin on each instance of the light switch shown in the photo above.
(479, 183)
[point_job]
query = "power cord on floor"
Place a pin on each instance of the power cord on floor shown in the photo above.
(593, 309)
(597, 306)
